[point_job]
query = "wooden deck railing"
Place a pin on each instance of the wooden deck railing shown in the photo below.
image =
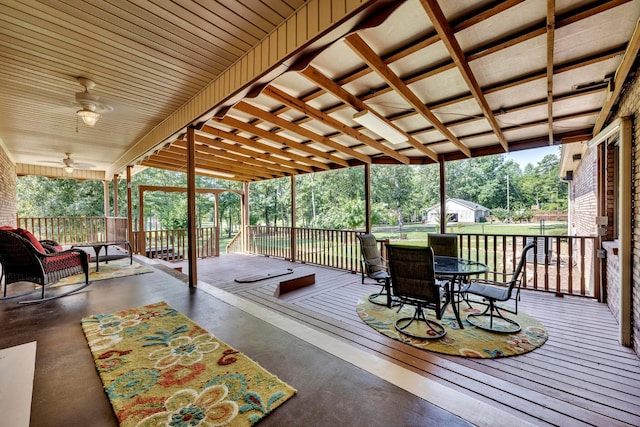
(171, 245)
(559, 264)
(235, 245)
(72, 230)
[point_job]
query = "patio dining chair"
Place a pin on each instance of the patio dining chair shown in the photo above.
(413, 283)
(443, 244)
(373, 266)
(492, 292)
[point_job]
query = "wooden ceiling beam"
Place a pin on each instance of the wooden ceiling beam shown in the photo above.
(279, 139)
(479, 52)
(551, 28)
(528, 33)
(442, 26)
(316, 114)
(264, 134)
(359, 46)
(287, 164)
(233, 166)
(179, 157)
(521, 126)
(204, 148)
(314, 75)
(630, 56)
(292, 127)
(163, 164)
(473, 17)
(265, 116)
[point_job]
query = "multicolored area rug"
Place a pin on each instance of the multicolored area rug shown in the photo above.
(160, 368)
(468, 342)
(117, 268)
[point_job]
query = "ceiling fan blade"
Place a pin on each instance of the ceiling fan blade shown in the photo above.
(82, 165)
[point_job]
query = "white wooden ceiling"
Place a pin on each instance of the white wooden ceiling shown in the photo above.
(147, 58)
(459, 78)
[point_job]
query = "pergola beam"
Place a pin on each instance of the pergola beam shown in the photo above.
(359, 46)
(442, 26)
(316, 114)
(314, 75)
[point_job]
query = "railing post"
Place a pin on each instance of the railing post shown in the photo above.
(292, 231)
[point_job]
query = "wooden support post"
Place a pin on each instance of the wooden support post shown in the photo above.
(217, 223)
(142, 239)
(244, 206)
(625, 231)
(191, 207)
(129, 207)
(105, 189)
(115, 195)
(292, 237)
(443, 196)
(367, 197)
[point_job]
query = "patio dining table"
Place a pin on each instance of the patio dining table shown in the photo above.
(457, 269)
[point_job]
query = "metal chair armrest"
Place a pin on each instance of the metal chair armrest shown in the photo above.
(488, 282)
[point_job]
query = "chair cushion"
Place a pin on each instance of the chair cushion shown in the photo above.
(379, 275)
(30, 237)
(62, 261)
(498, 293)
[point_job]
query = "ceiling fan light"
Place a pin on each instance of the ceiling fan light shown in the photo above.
(68, 169)
(377, 125)
(89, 117)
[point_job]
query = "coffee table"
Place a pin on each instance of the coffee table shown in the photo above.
(97, 248)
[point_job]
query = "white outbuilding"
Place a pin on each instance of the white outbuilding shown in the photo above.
(459, 211)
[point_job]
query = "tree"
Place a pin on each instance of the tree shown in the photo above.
(44, 197)
(392, 186)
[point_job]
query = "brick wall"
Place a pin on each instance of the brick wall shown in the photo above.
(612, 271)
(7, 190)
(584, 193)
(584, 188)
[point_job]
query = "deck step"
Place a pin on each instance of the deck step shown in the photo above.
(294, 283)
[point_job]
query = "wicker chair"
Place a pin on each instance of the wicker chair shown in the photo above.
(22, 261)
(413, 283)
(493, 291)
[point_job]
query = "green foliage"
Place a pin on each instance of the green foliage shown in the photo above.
(500, 214)
(332, 199)
(43, 197)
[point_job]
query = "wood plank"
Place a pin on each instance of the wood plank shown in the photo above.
(294, 283)
(580, 376)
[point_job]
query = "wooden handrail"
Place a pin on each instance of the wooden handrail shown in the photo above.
(556, 265)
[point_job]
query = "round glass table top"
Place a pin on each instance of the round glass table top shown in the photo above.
(459, 266)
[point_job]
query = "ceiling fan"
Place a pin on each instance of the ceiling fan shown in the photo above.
(91, 107)
(69, 164)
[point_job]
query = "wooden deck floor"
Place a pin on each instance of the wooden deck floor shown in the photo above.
(580, 376)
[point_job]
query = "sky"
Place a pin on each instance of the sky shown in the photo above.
(532, 156)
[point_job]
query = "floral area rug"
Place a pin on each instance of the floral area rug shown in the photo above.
(117, 268)
(468, 342)
(160, 368)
